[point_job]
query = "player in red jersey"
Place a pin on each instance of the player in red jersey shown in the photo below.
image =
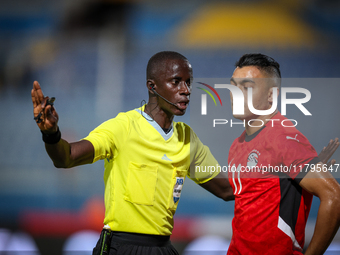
(270, 173)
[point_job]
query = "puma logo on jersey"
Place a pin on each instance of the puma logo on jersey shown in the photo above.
(292, 138)
(166, 158)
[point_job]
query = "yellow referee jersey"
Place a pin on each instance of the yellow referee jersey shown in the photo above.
(145, 170)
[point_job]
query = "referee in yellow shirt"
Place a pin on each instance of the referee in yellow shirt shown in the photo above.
(147, 158)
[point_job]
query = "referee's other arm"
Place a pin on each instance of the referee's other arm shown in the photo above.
(220, 187)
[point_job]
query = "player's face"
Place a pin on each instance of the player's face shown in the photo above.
(174, 84)
(252, 77)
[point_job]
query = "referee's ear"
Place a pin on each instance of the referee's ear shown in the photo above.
(150, 84)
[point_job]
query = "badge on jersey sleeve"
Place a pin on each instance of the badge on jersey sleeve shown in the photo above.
(178, 188)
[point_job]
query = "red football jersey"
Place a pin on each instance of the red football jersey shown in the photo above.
(271, 209)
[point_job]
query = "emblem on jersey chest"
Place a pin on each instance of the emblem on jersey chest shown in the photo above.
(253, 158)
(178, 188)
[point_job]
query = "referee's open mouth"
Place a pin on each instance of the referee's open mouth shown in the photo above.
(183, 104)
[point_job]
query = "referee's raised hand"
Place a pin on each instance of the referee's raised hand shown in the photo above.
(44, 112)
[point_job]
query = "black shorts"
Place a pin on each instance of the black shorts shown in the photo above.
(123, 243)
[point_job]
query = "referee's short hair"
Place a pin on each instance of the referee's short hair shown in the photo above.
(156, 62)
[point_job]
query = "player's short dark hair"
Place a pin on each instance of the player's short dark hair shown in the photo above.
(263, 62)
(157, 61)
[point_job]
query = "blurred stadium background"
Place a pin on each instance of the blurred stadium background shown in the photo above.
(92, 55)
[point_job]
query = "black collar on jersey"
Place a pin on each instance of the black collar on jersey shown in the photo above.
(248, 138)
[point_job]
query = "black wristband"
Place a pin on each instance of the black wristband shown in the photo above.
(51, 138)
